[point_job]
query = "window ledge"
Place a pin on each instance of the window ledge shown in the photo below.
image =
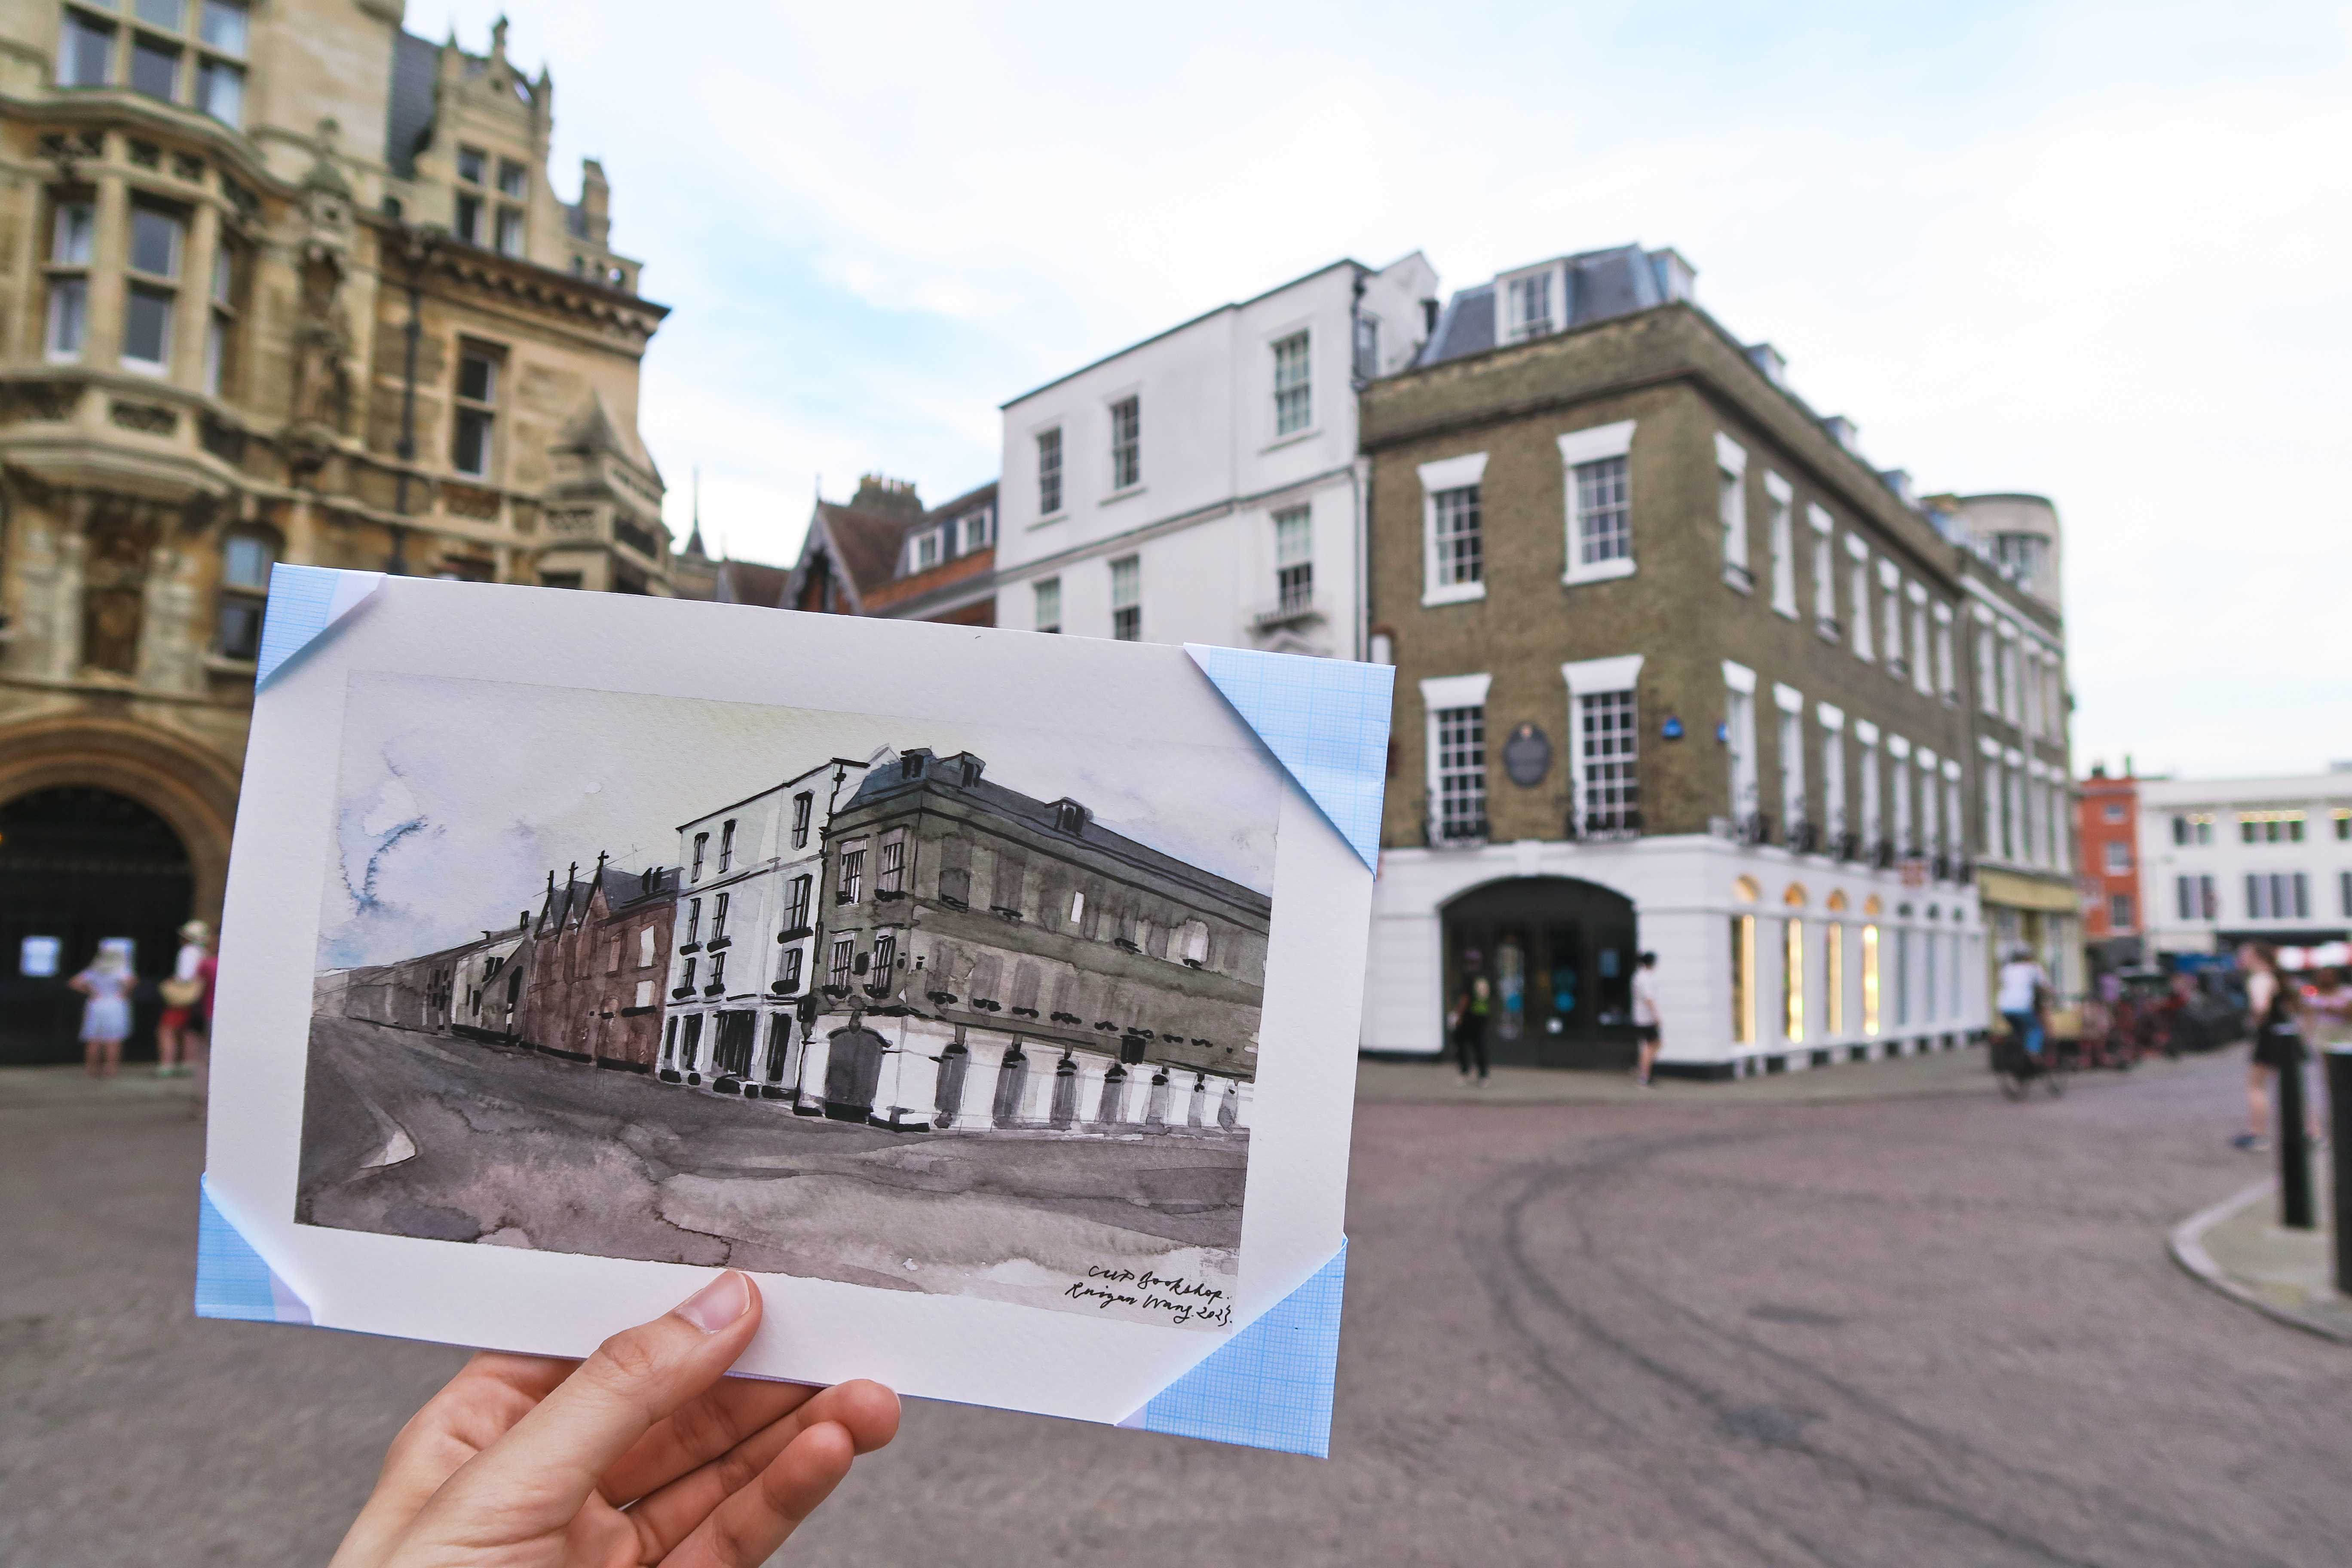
(1599, 571)
(1738, 578)
(1787, 611)
(223, 663)
(1293, 439)
(1122, 495)
(1048, 522)
(1452, 593)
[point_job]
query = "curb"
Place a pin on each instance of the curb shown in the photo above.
(2187, 1245)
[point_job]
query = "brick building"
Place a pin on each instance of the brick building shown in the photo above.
(884, 553)
(1677, 671)
(2107, 818)
(598, 951)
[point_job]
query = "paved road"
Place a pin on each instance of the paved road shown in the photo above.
(410, 1134)
(1928, 1331)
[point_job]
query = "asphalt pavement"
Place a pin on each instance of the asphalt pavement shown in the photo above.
(1713, 1330)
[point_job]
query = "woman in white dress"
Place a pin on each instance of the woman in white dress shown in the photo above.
(106, 1016)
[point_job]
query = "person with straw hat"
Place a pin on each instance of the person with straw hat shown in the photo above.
(106, 1016)
(178, 1035)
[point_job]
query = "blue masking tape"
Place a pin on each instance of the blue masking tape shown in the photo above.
(1269, 1386)
(1326, 720)
(232, 1280)
(304, 601)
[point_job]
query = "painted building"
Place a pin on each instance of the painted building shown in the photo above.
(2231, 860)
(1203, 485)
(2107, 831)
(884, 553)
(996, 961)
(281, 282)
(745, 932)
(1677, 672)
(599, 949)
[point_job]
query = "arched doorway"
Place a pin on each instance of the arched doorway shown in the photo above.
(78, 865)
(853, 1071)
(1559, 953)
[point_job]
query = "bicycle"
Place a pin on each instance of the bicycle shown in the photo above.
(2018, 1068)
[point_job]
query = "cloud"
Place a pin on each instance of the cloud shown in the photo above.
(2089, 250)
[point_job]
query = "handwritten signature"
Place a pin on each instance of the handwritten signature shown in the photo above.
(1184, 1300)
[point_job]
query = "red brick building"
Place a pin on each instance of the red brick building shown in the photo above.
(2108, 821)
(884, 553)
(598, 950)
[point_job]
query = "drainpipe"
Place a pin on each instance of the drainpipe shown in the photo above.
(1359, 481)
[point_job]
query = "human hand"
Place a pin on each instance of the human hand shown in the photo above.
(645, 1453)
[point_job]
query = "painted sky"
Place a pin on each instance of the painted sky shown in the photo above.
(2094, 251)
(456, 799)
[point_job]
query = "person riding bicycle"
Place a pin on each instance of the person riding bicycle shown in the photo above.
(2022, 985)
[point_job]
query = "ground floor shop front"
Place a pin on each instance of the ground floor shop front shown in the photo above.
(1767, 960)
(918, 1073)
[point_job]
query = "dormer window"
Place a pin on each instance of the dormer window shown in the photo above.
(1069, 817)
(1529, 305)
(911, 766)
(975, 531)
(971, 766)
(923, 551)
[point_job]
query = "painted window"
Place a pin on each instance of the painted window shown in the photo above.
(644, 947)
(1294, 406)
(693, 921)
(726, 844)
(796, 903)
(803, 806)
(836, 969)
(851, 882)
(890, 871)
(719, 916)
(701, 850)
(788, 973)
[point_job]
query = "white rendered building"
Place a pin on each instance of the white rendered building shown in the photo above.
(1203, 485)
(2230, 860)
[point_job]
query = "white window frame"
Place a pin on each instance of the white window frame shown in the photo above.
(1956, 811)
(1437, 477)
(1923, 678)
(1441, 694)
(1901, 823)
(1597, 678)
(1060, 471)
(1111, 405)
(1858, 581)
(1890, 612)
(1930, 820)
(1833, 815)
(1781, 497)
(1825, 616)
(1129, 601)
(1948, 676)
(1739, 740)
(1045, 593)
(1795, 803)
(1873, 814)
(1598, 444)
(1517, 325)
(1731, 509)
(1303, 385)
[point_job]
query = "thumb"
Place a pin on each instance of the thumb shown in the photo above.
(546, 1465)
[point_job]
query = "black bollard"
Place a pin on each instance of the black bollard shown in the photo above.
(2296, 1210)
(2339, 1133)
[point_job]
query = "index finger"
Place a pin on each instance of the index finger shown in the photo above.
(544, 1469)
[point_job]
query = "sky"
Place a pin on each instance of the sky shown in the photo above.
(2091, 251)
(439, 837)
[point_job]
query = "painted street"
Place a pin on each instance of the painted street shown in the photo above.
(1703, 1327)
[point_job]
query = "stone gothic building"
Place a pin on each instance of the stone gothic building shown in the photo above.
(278, 282)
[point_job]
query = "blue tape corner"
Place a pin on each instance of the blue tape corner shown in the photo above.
(1326, 720)
(304, 602)
(232, 1280)
(1270, 1385)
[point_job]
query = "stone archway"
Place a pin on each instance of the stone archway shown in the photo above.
(191, 788)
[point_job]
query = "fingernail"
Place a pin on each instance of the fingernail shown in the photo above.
(719, 1303)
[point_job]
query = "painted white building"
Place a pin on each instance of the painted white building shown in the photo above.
(742, 951)
(2231, 860)
(1203, 485)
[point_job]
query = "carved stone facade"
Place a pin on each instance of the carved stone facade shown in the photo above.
(283, 283)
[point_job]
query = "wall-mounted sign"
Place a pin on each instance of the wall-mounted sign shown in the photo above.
(1527, 757)
(37, 956)
(1673, 728)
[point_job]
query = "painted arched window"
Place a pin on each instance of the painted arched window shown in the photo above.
(247, 556)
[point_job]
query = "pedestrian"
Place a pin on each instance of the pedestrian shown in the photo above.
(645, 1452)
(1645, 1016)
(2327, 1010)
(106, 1016)
(2023, 984)
(2277, 1035)
(1474, 999)
(177, 1037)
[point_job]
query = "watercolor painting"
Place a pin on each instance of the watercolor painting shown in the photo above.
(796, 990)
